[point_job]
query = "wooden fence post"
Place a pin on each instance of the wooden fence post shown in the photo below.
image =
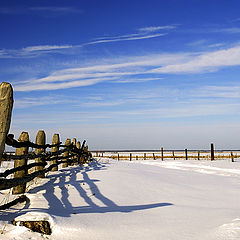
(136, 157)
(74, 142)
(41, 140)
(186, 156)
(21, 162)
(118, 157)
(6, 104)
(173, 155)
(198, 155)
(212, 152)
(232, 157)
(153, 156)
(65, 154)
(130, 157)
(162, 153)
(78, 146)
(55, 140)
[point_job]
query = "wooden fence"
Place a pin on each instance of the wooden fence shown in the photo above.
(161, 154)
(16, 178)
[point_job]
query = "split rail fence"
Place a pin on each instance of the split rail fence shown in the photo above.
(40, 160)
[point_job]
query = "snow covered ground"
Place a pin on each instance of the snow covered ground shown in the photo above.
(153, 199)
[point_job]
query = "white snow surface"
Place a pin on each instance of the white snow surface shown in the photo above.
(152, 199)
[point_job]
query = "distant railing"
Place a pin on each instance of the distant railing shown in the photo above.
(161, 154)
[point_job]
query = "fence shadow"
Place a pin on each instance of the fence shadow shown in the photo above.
(87, 190)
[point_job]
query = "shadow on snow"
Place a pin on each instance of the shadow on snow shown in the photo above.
(68, 178)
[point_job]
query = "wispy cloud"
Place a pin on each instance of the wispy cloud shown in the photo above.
(156, 28)
(41, 10)
(133, 69)
(35, 51)
(205, 62)
(55, 9)
(142, 33)
(130, 38)
(225, 92)
(228, 30)
(45, 48)
(27, 102)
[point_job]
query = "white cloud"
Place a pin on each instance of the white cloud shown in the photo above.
(34, 51)
(129, 69)
(55, 86)
(142, 33)
(45, 47)
(41, 9)
(206, 62)
(156, 28)
(31, 101)
(130, 38)
(134, 69)
(228, 30)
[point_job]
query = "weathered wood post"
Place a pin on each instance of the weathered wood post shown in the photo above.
(232, 157)
(198, 155)
(173, 155)
(130, 157)
(153, 156)
(162, 153)
(212, 152)
(65, 154)
(73, 159)
(6, 104)
(118, 157)
(55, 140)
(186, 155)
(40, 140)
(145, 156)
(136, 157)
(78, 146)
(21, 162)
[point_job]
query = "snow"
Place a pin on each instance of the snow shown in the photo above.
(149, 199)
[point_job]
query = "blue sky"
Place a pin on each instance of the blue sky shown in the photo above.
(124, 74)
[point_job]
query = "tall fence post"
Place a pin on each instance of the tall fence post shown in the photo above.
(55, 140)
(78, 146)
(118, 157)
(40, 140)
(145, 156)
(153, 156)
(65, 154)
(130, 156)
(162, 153)
(74, 142)
(186, 156)
(198, 155)
(21, 162)
(212, 152)
(232, 157)
(173, 155)
(6, 104)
